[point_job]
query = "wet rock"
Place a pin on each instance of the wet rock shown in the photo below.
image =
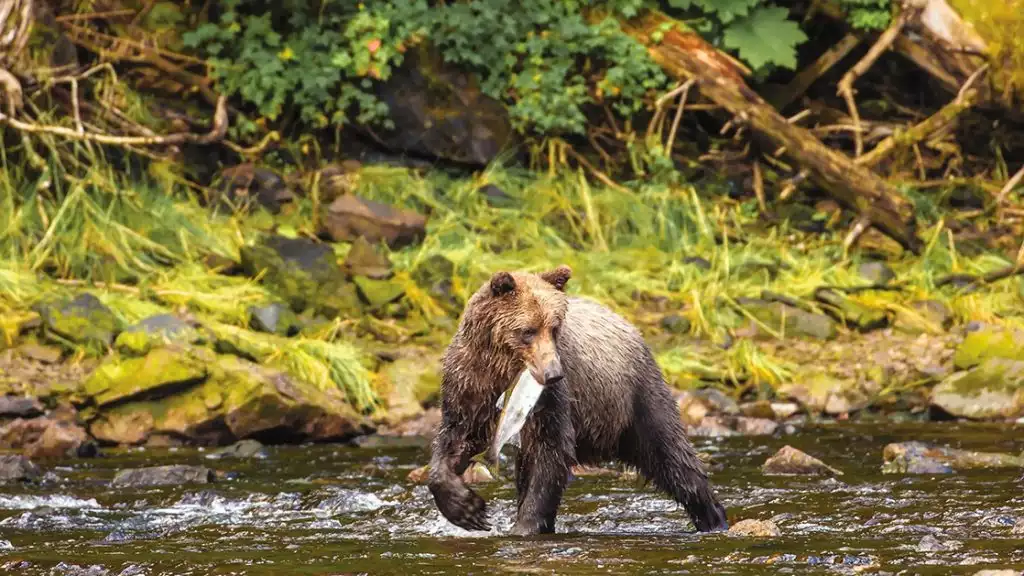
(41, 353)
(755, 528)
(243, 449)
(783, 410)
(19, 407)
(378, 293)
(1018, 528)
(984, 341)
(171, 475)
(44, 437)
(717, 401)
(1006, 572)
(852, 313)
(993, 389)
(922, 458)
(439, 111)
(238, 399)
(424, 425)
(243, 186)
(790, 461)
(275, 318)
(408, 383)
(364, 259)
(923, 317)
(155, 332)
(17, 468)
(302, 272)
(755, 426)
(160, 372)
(790, 320)
(84, 321)
(932, 544)
(759, 409)
(876, 272)
(821, 392)
(350, 217)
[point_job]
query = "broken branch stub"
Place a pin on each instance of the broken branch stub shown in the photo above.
(684, 55)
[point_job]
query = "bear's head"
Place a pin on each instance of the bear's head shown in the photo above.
(522, 314)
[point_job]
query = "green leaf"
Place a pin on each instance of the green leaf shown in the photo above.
(764, 37)
(729, 10)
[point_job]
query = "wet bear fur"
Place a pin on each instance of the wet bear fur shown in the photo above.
(604, 399)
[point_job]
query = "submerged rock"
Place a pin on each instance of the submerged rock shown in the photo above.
(755, 528)
(84, 321)
(242, 449)
(994, 389)
(302, 272)
(921, 458)
(154, 332)
(238, 399)
(17, 468)
(984, 341)
(171, 475)
(790, 461)
(350, 217)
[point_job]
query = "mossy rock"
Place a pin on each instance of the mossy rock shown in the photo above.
(923, 317)
(379, 293)
(986, 341)
(274, 318)
(852, 313)
(792, 321)
(238, 400)
(155, 332)
(162, 371)
(993, 389)
(408, 384)
(84, 321)
(304, 273)
(365, 259)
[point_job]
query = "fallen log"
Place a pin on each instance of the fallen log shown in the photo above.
(686, 55)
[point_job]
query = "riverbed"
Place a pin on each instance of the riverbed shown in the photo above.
(339, 509)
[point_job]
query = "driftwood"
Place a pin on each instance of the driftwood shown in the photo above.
(685, 55)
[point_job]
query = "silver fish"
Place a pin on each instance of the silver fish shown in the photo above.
(516, 409)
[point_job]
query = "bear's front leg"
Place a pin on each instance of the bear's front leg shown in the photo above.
(451, 452)
(547, 453)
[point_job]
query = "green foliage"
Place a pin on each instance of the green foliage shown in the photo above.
(547, 61)
(867, 14)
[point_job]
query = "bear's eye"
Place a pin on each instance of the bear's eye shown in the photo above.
(528, 335)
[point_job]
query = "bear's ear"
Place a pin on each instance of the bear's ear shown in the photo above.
(558, 277)
(502, 283)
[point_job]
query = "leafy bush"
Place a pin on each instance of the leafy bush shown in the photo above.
(547, 61)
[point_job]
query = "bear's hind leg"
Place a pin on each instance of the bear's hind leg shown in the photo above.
(657, 445)
(543, 463)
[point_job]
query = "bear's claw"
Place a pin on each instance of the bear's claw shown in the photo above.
(465, 508)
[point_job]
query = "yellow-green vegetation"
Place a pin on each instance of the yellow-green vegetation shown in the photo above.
(1000, 23)
(632, 247)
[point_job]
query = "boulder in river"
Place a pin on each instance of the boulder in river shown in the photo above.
(83, 321)
(304, 273)
(243, 449)
(755, 528)
(994, 389)
(922, 458)
(350, 217)
(170, 475)
(44, 437)
(790, 461)
(17, 468)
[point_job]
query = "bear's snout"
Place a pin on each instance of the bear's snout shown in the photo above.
(553, 372)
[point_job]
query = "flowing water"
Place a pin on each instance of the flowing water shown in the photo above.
(349, 510)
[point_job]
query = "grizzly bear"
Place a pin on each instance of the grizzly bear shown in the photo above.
(604, 399)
